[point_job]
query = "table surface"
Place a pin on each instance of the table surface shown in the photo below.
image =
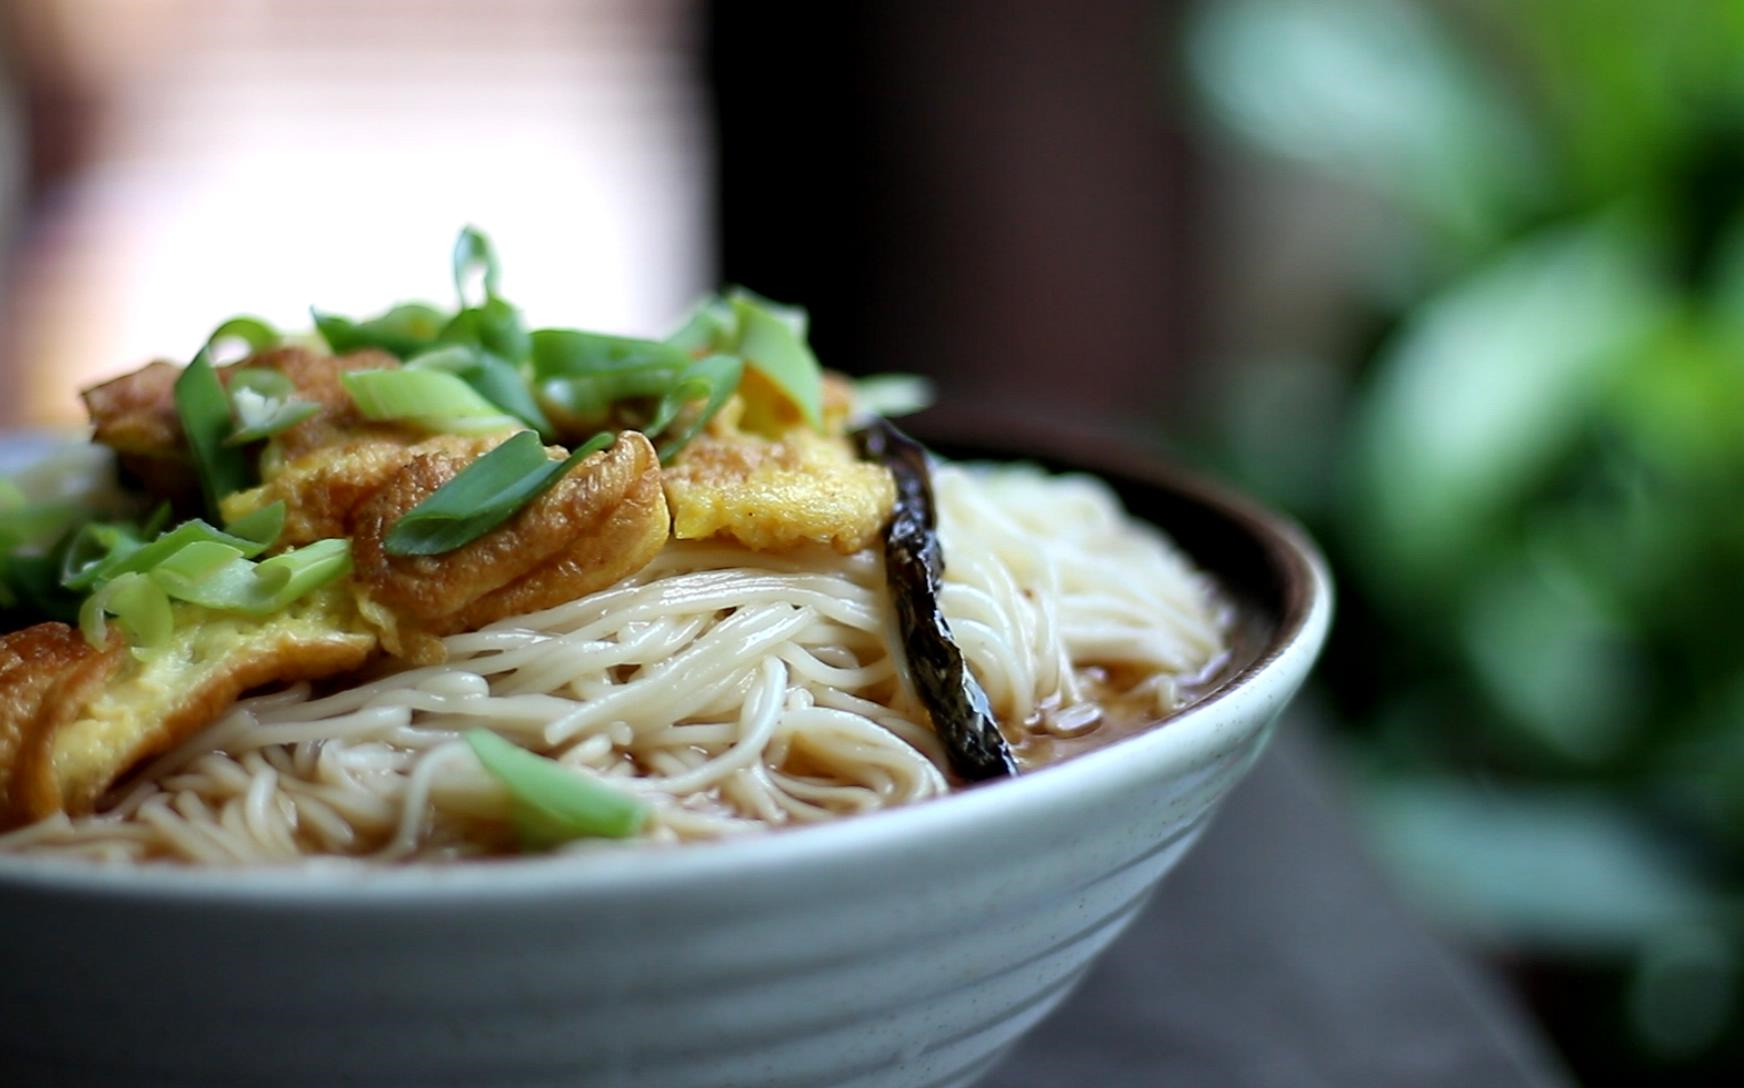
(1276, 956)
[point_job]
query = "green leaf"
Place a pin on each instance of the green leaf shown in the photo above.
(711, 380)
(484, 495)
(204, 410)
(1378, 95)
(1486, 387)
(770, 342)
(553, 804)
(403, 331)
(1554, 869)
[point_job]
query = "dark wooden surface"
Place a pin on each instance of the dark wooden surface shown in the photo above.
(1275, 957)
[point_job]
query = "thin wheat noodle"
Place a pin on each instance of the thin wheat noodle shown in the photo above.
(732, 690)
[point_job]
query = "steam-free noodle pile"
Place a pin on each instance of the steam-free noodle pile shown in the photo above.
(733, 690)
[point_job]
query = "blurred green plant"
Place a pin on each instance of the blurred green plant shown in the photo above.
(1533, 486)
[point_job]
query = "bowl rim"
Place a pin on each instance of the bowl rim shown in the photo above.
(1269, 678)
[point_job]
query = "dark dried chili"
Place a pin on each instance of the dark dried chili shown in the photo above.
(913, 564)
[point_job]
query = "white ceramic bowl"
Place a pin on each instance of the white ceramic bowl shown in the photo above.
(904, 950)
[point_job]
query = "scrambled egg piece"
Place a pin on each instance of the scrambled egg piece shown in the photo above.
(101, 712)
(602, 521)
(323, 488)
(135, 414)
(759, 475)
(33, 663)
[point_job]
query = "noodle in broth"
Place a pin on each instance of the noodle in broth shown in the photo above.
(733, 690)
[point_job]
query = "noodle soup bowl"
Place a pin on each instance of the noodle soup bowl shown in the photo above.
(906, 949)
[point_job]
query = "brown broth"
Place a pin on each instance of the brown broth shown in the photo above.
(1128, 704)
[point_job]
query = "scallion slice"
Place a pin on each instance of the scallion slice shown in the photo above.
(714, 378)
(475, 256)
(264, 403)
(432, 398)
(403, 331)
(570, 353)
(204, 410)
(495, 326)
(552, 804)
(769, 341)
(138, 603)
(495, 379)
(711, 327)
(114, 551)
(892, 395)
(255, 334)
(201, 574)
(24, 523)
(580, 375)
(261, 526)
(485, 494)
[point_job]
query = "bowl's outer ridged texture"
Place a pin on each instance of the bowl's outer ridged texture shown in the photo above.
(845, 978)
(906, 950)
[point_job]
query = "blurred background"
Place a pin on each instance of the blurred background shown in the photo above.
(1458, 282)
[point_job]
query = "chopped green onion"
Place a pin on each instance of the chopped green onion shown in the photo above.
(204, 410)
(257, 419)
(485, 494)
(261, 526)
(434, 399)
(231, 583)
(291, 574)
(495, 379)
(159, 518)
(95, 545)
(265, 383)
(767, 335)
(714, 378)
(193, 564)
(552, 804)
(892, 395)
(126, 555)
(138, 603)
(265, 403)
(494, 326)
(475, 256)
(797, 320)
(711, 327)
(568, 353)
(24, 523)
(403, 331)
(582, 374)
(769, 341)
(34, 582)
(254, 333)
